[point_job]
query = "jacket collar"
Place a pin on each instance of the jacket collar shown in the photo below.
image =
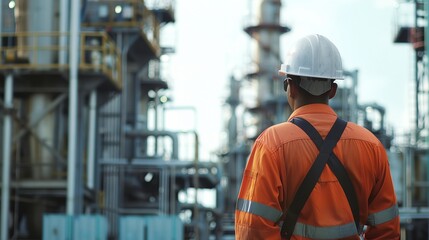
(316, 108)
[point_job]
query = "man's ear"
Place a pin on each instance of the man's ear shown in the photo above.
(333, 90)
(293, 89)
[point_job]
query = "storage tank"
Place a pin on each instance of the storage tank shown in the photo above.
(34, 18)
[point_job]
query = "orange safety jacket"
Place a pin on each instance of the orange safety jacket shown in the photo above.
(281, 158)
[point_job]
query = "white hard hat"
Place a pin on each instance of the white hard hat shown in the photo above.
(313, 56)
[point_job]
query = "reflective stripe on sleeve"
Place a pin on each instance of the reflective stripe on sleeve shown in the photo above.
(304, 230)
(331, 232)
(258, 209)
(383, 216)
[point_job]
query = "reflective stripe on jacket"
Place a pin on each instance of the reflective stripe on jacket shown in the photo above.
(280, 159)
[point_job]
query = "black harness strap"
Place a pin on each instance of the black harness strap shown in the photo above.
(325, 156)
(336, 166)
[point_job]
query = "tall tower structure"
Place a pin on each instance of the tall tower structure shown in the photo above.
(266, 105)
(411, 21)
(412, 28)
(265, 31)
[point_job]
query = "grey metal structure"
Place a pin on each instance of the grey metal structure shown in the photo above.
(414, 150)
(47, 83)
(83, 86)
(265, 30)
(268, 105)
(84, 101)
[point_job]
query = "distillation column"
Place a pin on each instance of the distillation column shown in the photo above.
(39, 16)
(265, 55)
(269, 105)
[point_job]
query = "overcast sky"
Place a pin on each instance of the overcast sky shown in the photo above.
(211, 44)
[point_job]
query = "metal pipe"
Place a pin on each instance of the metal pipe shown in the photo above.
(172, 196)
(233, 101)
(164, 193)
(147, 133)
(1, 21)
(73, 100)
(418, 82)
(408, 177)
(125, 42)
(196, 186)
(91, 139)
(124, 91)
(182, 108)
(155, 108)
(64, 16)
(7, 133)
(265, 55)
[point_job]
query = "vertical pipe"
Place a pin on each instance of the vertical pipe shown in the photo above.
(73, 92)
(91, 139)
(155, 108)
(408, 176)
(7, 126)
(79, 183)
(165, 191)
(426, 70)
(417, 81)
(196, 186)
(1, 22)
(124, 42)
(265, 55)
(172, 197)
(354, 97)
(124, 60)
(233, 101)
(64, 16)
(5, 188)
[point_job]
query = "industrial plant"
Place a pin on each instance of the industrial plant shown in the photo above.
(85, 151)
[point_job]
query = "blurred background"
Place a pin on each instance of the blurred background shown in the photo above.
(132, 119)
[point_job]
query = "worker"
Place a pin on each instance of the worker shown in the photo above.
(316, 176)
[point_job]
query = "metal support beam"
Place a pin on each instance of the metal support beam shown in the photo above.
(91, 139)
(73, 103)
(64, 17)
(1, 21)
(7, 140)
(30, 128)
(47, 110)
(426, 34)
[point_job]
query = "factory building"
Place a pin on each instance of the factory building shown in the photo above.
(85, 99)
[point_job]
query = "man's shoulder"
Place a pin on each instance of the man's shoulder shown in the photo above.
(285, 132)
(357, 132)
(280, 133)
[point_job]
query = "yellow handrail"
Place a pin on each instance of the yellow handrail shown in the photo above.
(44, 50)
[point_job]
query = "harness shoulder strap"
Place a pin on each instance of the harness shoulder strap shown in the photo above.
(336, 166)
(325, 152)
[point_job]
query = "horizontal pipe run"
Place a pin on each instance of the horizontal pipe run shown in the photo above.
(144, 133)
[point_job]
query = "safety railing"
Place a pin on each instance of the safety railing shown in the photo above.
(99, 53)
(108, 14)
(49, 51)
